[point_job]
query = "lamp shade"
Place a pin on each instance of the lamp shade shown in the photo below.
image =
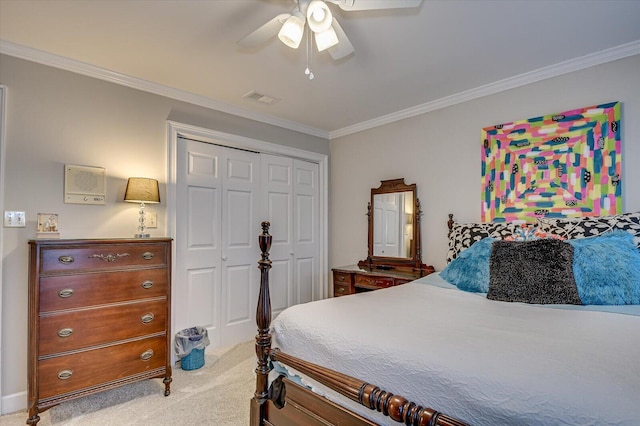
(142, 190)
(319, 16)
(292, 30)
(326, 39)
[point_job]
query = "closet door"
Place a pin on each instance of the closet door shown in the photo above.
(198, 237)
(240, 251)
(306, 232)
(216, 240)
(290, 201)
(277, 183)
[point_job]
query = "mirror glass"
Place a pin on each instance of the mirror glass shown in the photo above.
(393, 224)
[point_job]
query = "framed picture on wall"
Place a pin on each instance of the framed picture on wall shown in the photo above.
(559, 165)
(47, 225)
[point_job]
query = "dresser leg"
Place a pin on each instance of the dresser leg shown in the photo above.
(167, 385)
(33, 420)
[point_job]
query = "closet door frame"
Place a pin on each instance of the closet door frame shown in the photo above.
(176, 130)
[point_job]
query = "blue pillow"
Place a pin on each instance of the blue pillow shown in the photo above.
(470, 270)
(607, 269)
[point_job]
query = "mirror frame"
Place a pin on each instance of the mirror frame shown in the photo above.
(414, 261)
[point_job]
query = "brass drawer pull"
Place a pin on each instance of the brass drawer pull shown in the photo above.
(109, 257)
(147, 255)
(341, 290)
(67, 260)
(147, 284)
(65, 374)
(147, 318)
(64, 293)
(341, 278)
(146, 355)
(65, 332)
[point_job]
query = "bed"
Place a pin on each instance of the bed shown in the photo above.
(466, 358)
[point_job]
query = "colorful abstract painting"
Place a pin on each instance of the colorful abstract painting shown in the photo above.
(560, 165)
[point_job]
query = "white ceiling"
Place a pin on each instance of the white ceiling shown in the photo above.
(405, 60)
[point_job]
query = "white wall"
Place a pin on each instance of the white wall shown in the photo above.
(56, 117)
(440, 152)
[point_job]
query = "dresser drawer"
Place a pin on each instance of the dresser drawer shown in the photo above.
(74, 291)
(64, 374)
(60, 259)
(342, 277)
(373, 282)
(341, 289)
(79, 329)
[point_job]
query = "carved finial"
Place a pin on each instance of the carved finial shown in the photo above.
(264, 241)
(265, 226)
(450, 222)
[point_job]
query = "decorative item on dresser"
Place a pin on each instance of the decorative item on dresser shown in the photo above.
(395, 251)
(99, 312)
(142, 190)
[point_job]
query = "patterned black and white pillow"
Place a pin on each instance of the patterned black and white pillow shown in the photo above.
(463, 235)
(592, 226)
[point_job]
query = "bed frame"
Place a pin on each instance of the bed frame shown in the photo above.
(284, 402)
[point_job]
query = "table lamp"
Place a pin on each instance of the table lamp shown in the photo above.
(142, 190)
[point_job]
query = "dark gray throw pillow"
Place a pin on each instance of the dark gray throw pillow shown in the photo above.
(537, 271)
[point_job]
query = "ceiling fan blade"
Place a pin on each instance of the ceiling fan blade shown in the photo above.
(265, 32)
(375, 4)
(344, 46)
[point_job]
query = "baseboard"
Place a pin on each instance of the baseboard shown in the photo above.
(14, 402)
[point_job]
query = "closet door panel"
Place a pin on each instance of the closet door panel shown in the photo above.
(198, 237)
(240, 250)
(280, 275)
(277, 184)
(306, 231)
(202, 230)
(202, 287)
(238, 301)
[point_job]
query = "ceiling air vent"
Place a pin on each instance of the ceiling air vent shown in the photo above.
(261, 98)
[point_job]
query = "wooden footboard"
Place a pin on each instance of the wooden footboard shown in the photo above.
(285, 403)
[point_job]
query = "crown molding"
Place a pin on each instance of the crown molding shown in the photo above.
(576, 64)
(50, 59)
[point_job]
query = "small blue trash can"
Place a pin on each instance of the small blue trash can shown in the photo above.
(190, 345)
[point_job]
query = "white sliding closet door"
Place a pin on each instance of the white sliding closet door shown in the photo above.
(216, 240)
(290, 201)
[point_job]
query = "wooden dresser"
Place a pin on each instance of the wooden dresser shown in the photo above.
(99, 317)
(354, 279)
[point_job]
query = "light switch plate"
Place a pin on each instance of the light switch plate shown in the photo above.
(14, 219)
(151, 220)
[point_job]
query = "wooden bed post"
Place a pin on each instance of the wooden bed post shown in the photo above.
(263, 338)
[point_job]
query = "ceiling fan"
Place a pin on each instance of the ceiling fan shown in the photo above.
(326, 30)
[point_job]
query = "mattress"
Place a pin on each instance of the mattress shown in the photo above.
(482, 361)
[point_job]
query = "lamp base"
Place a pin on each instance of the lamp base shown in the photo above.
(142, 235)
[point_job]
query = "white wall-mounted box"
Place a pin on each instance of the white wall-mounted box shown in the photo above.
(85, 185)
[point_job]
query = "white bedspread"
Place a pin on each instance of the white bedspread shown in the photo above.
(482, 361)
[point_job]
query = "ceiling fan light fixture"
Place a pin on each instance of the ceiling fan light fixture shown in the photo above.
(319, 16)
(292, 30)
(326, 39)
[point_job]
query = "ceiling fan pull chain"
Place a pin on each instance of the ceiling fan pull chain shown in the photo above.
(307, 71)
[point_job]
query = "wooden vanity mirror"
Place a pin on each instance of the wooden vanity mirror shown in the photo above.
(394, 228)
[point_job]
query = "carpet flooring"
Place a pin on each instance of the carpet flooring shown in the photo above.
(216, 394)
